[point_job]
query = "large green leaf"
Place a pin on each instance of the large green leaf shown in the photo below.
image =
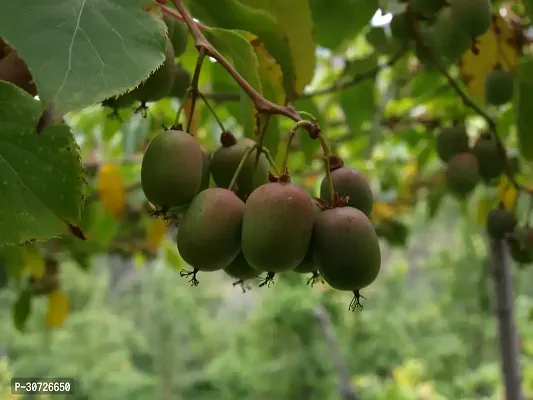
(339, 20)
(240, 52)
(40, 174)
(271, 78)
(232, 14)
(358, 102)
(294, 18)
(524, 107)
(82, 51)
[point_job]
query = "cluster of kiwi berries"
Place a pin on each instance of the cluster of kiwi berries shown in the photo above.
(253, 222)
(169, 80)
(443, 30)
(483, 162)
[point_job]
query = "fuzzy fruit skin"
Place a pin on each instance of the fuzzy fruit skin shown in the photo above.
(451, 141)
(350, 182)
(308, 264)
(171, 170)
(473, 16)
(158, 85)
(489, 160)
(346, 248)
(182, 80)
(240, 269)
(277, 227)
(499, 87)
(225, 161)
(209, 233)
(449, 40)
(177, 33)
(400, 30)
(206, 175)
(462, 174)
(499, 223)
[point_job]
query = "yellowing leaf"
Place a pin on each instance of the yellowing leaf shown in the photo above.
(155, 234)
(382, 211)
(33, 260)
(496, 46)
(111, 190)
(507, 193)
(58, 309)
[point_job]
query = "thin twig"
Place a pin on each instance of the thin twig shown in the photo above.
(261, 104)
(177, 15)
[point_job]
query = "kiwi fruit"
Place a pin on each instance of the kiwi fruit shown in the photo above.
(277, 226)
(472, 16)
(500, 222)
(172, 169)
(462, 174)
(178, 33)
(451, 141)
(209, 233)
(491, 163)
(159, 83)
(499, 87)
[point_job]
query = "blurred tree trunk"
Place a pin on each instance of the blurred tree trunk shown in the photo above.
(323, 319)
(504, 309)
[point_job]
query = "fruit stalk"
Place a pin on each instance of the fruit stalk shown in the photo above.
(194, 85)
(241, 165)
(327, 154)
(292, 133)
(212, 111)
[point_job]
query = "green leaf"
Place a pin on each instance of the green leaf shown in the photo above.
(40, 174)
(233, 45)
(21, 310)
(524, 107)
(232, 14)
(222, 82)
(341, 20)
(309, 146)
(294, 19)
(272, 85)
(81, 52)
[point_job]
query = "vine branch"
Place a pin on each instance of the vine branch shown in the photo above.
(202, 44)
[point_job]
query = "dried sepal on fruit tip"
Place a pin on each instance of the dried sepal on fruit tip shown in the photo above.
(185, 274)
(272, 177)
(284, 178)
(227, 139)
(356, 303)
(335, 162)
(268, 280)
(314, 131)
(177, 127)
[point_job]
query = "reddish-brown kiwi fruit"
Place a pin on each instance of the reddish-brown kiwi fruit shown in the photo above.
(451, 141)
(520, 244)
(14, 70)
(227, 158)
(209, 233)
(462, 174)
(500, 222)
(308, 264)
(172, 169)
(240, 269)
(277, 226)
(352, 183)
(160, 82)
(490, 160)
(346, 248)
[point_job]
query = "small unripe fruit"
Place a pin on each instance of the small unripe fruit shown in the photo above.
(499, 87)
(451, 141)
(473, 16)
(500, 222)
(462, 174)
